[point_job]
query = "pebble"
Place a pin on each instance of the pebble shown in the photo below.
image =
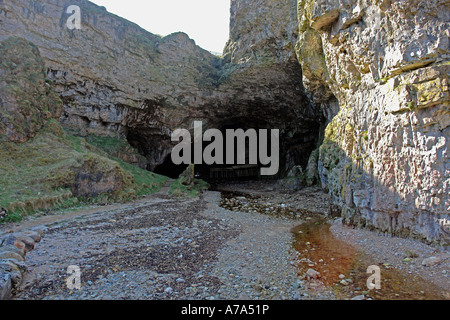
(312, 274)
(344, 282)
(168, 290)
(431, 261)
(259, 257)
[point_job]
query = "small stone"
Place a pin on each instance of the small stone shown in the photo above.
(33, 235)
(361, 297)
(16, 278)
(312, 274)
(407, 260)
(344, 282)
(15, 264)
(431, 261)
(12, 248)
(169, 290)
(5, 286)
(11, 255)
(342, 277)
(23, 242)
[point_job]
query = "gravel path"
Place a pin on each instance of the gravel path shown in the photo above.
(258, 263)
(165, 248)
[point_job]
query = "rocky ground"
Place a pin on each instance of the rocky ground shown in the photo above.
(218, 247)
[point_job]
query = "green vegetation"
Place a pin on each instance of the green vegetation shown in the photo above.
(40, 174)
(365, 135)
(42, 167)
(178, 189)
(112, 146)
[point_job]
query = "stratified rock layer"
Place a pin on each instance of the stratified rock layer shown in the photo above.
(117, 79)
(384, 157)
(376, 72)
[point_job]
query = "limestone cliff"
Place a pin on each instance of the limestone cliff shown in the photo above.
(27, 100)
(384, 158)
(116, 79)
(41, 166)
(374, 73)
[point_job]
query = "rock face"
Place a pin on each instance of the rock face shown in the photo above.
(27, 100)
(263, 76)
(384, 157)
(116, 79)
(374, 73)
(28, 103)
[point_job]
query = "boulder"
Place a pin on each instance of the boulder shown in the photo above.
(187, 178)
(432, 261)
(5, 286)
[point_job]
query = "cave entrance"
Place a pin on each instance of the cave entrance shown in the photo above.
(169, 169)
(231, 168)
(236, 170)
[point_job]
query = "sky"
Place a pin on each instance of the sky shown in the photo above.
(205, 21)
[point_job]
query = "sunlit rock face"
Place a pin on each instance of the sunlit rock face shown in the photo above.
(119, 80)
(27, 100)
(374, 73)
(115, 78)
(385, 155)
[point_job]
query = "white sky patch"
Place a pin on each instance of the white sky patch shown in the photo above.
(205, 21)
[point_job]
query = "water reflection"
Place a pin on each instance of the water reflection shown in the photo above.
(334, 259)
(321, 251)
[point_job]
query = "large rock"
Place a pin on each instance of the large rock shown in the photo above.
(5, 286)
(117, 79)
(384, 157)
(26, 98)
(187, 178)
(432, 261)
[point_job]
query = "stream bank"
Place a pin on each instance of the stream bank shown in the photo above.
(249, 241)
(333, 259)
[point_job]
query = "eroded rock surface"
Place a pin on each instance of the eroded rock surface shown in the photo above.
(375, 72)
(117, 79)
(384, 158)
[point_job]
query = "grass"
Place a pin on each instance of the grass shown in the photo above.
(178, 189)
(39, 174)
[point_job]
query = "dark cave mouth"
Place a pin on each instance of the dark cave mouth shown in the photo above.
(221, 170)
(249, 170)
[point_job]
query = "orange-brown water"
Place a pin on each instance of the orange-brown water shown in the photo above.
(320, 250)
(328, 255)
(332, 258)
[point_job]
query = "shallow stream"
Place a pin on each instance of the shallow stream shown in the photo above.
(343, 268)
